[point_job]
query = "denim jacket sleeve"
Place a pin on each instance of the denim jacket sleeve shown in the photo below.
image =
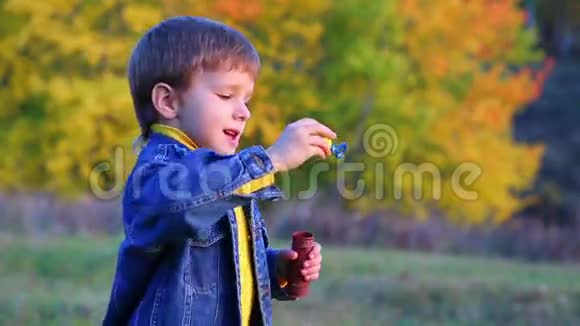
(168, 200)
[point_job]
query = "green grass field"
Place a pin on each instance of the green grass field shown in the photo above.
(66, 282)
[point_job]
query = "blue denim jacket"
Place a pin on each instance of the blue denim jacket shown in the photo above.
(178, 263)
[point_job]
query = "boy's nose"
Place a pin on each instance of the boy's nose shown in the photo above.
(242, 112)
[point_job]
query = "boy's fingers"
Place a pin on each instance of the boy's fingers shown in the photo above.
(321, 143)
(315, 251)
(320, 130)
(312, 277)
(315, 127)
(312, 262)
(306, 121)
(311, 270)
(316, 150)
(288, 254)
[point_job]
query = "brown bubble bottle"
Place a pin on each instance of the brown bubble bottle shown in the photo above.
(302, 243)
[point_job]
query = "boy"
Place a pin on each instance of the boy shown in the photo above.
(196, 248)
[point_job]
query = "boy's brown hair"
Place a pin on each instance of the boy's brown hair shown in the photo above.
(175, 49)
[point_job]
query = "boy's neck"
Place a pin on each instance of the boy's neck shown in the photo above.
(174, 123)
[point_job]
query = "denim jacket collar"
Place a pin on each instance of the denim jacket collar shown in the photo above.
(175, 134)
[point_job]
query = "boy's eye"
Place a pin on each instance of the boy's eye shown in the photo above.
(224, 97)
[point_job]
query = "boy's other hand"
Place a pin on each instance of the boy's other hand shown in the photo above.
(310, 269)
(300, 141)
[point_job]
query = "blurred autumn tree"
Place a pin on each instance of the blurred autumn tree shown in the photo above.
(66, 99)
(444, 75)
(466, 53)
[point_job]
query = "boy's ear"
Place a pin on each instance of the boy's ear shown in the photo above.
(164, 99)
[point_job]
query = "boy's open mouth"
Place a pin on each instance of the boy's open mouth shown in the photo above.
(232, 133)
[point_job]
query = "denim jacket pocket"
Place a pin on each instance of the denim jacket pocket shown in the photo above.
(208, 236)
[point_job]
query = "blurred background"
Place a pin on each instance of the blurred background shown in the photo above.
(458, 201)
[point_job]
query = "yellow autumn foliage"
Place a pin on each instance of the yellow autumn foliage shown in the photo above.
(441, 73)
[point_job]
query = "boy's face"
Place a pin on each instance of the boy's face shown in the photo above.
(213, 112)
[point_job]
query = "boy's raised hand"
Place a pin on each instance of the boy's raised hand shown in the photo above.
(300, 141)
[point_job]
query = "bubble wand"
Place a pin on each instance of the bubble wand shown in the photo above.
(338, 150)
